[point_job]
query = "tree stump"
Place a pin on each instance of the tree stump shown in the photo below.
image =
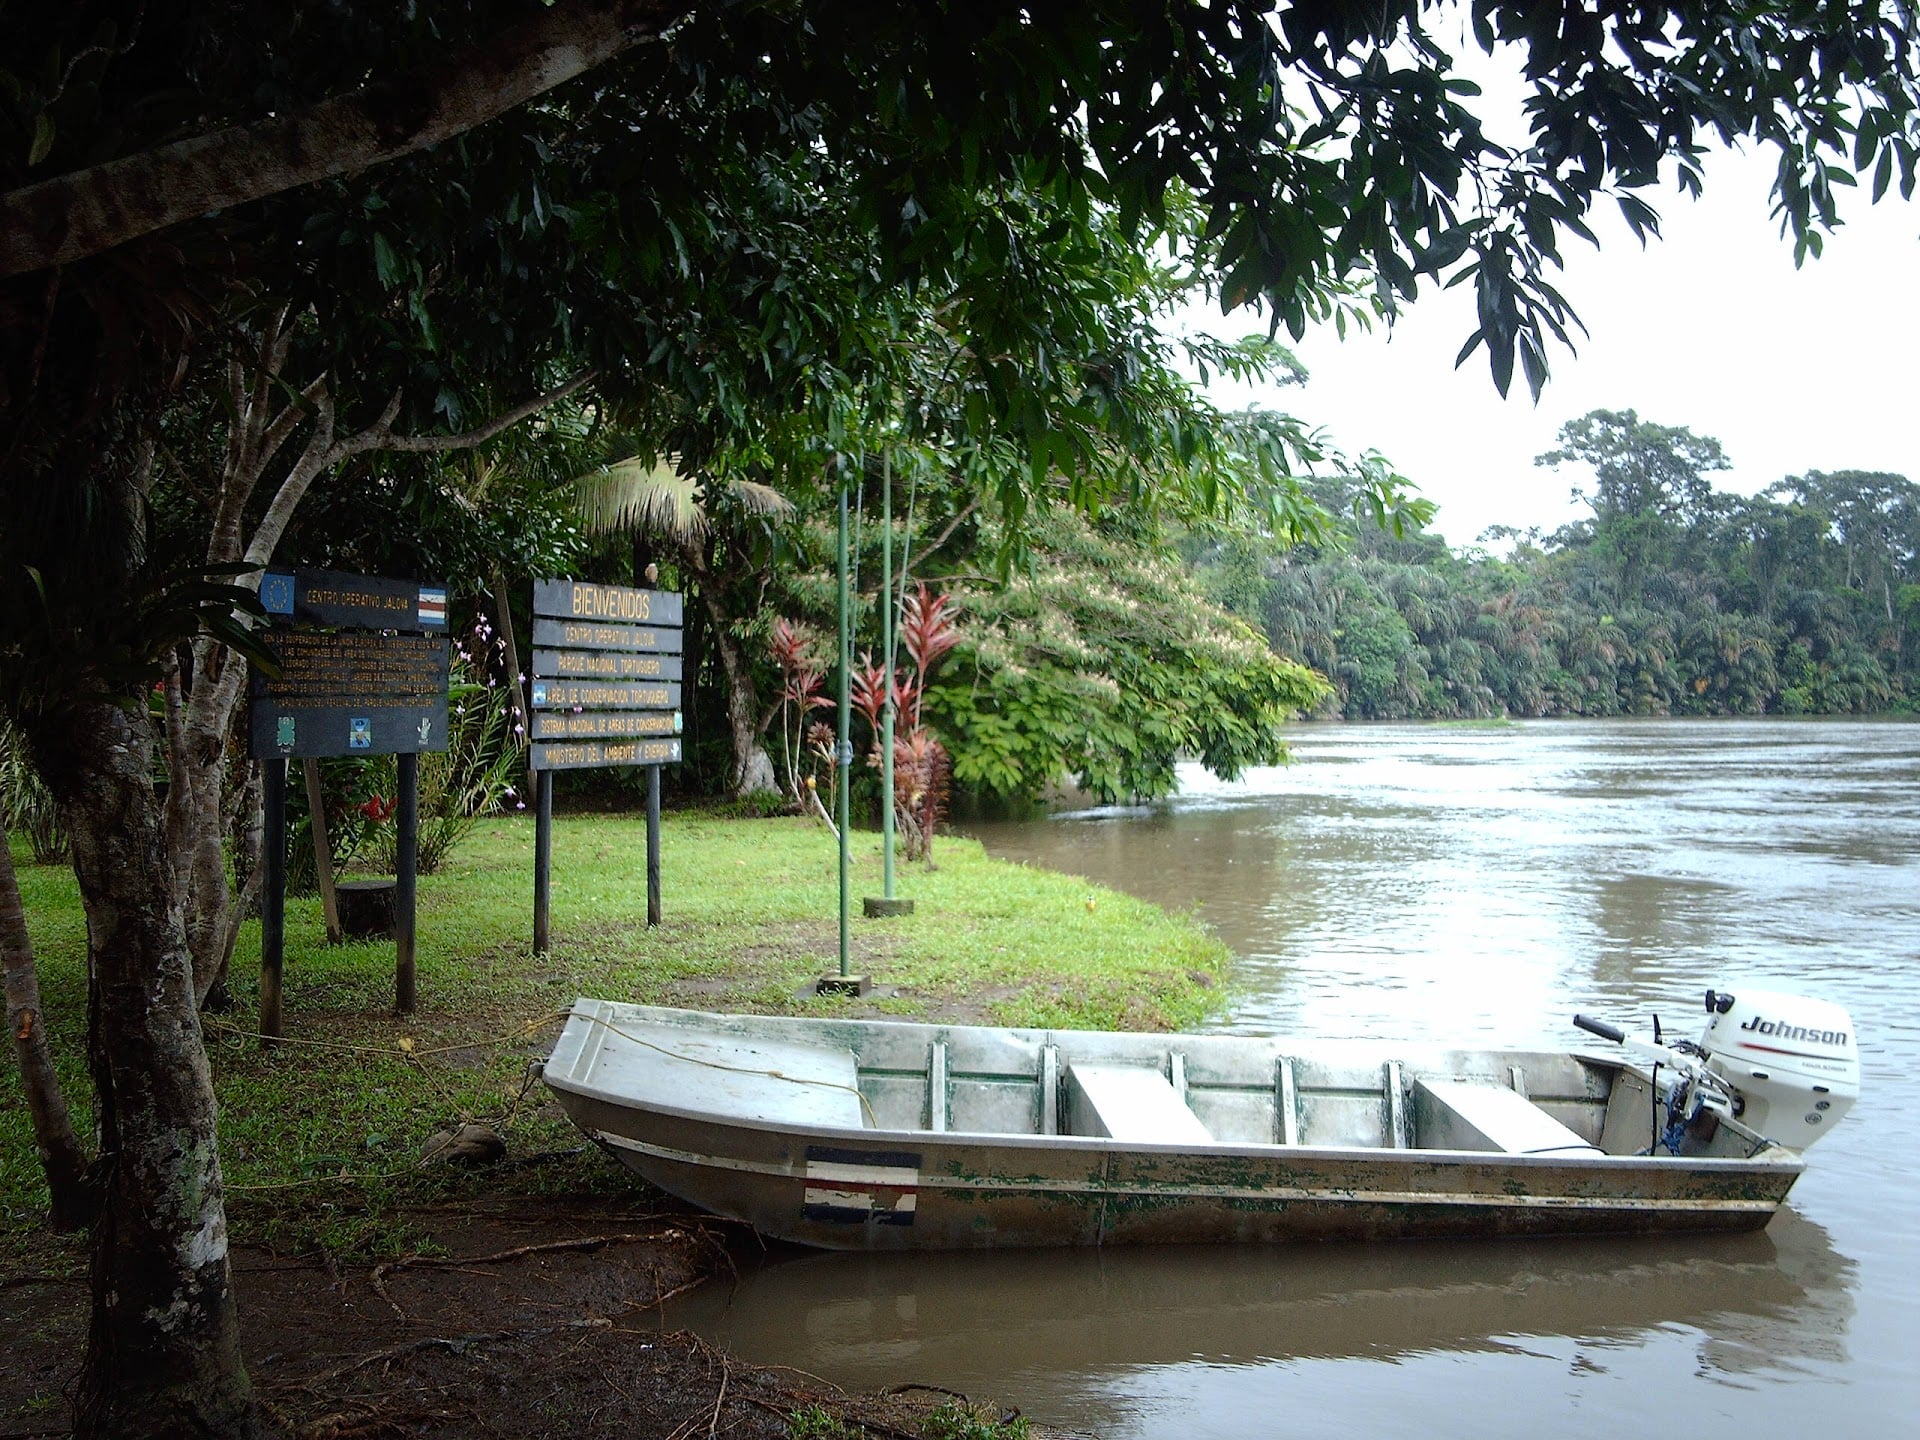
(366, 909)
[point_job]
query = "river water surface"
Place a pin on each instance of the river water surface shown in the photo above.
(1473, 883)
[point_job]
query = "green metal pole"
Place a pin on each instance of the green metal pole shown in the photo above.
(841, 799)
(886, 660)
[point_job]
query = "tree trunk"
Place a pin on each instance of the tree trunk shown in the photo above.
(162, 1354)
(695, 681)
(750, 770)
(163, 1342)
(196, 836)
(61, 1155)
(247, 823)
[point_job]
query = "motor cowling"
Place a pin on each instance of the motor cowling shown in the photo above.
(1792, 1062)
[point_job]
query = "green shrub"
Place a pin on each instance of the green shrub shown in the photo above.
(962, 1420)
(815, 1422)
(479, 773)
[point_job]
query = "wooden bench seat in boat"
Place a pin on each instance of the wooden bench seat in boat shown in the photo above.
(1131, 1103)
(1461, 1115)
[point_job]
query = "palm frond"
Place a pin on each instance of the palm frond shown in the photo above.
(759, 499)
(633, 495)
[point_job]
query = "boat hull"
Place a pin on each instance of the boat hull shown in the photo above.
(866, 1187)
(866, 1190)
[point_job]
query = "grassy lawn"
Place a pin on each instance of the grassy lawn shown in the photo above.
(320, 1137)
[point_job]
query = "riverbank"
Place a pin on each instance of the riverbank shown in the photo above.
(322, 1137)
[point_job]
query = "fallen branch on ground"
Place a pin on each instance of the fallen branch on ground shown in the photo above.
(452, 1344)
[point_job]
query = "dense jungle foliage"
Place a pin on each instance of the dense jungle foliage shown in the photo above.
(1093, 653)
(1671, 598)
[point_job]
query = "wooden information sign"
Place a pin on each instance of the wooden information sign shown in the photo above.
(605, 691)
(350, 693)
(363, 671)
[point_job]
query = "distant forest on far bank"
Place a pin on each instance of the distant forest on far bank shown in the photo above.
(1672, 598)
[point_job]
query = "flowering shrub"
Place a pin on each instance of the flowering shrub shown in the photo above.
(348, 787)
(1103, 660)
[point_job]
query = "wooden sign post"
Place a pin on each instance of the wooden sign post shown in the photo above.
(363, 671)
(606, 691)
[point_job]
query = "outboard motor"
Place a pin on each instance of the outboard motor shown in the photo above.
(1792, 1063)
(1785, 1066)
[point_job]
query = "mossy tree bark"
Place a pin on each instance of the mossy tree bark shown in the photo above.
(163, 1341)
(164, 1337)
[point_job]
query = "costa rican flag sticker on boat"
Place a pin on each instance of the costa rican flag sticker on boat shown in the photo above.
(858, 1187)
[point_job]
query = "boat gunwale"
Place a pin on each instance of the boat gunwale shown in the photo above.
(1773, 1159)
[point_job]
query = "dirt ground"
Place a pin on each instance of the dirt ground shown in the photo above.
(533, 1319)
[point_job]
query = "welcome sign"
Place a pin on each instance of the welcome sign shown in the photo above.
(606, 672)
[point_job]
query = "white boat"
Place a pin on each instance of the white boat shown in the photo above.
(868, 1134)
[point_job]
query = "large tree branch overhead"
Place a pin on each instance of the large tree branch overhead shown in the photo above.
(71, 217)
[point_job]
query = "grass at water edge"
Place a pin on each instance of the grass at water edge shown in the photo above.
(321, 1137)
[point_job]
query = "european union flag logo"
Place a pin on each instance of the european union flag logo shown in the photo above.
(276, 593)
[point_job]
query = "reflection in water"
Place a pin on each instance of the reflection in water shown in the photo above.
(1476, 883)
(1081, 1337)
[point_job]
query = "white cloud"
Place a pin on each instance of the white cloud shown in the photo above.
(1710, 327)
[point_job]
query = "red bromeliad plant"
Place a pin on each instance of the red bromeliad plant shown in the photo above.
(868, 690)
(921, 765)
(921, 771)
(801, 693)
(823, 750)
(922, 768)
(927, 632)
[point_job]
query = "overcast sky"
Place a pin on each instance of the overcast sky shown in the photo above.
(1710, 327)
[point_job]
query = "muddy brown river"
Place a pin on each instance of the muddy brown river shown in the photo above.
(1473, 883)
